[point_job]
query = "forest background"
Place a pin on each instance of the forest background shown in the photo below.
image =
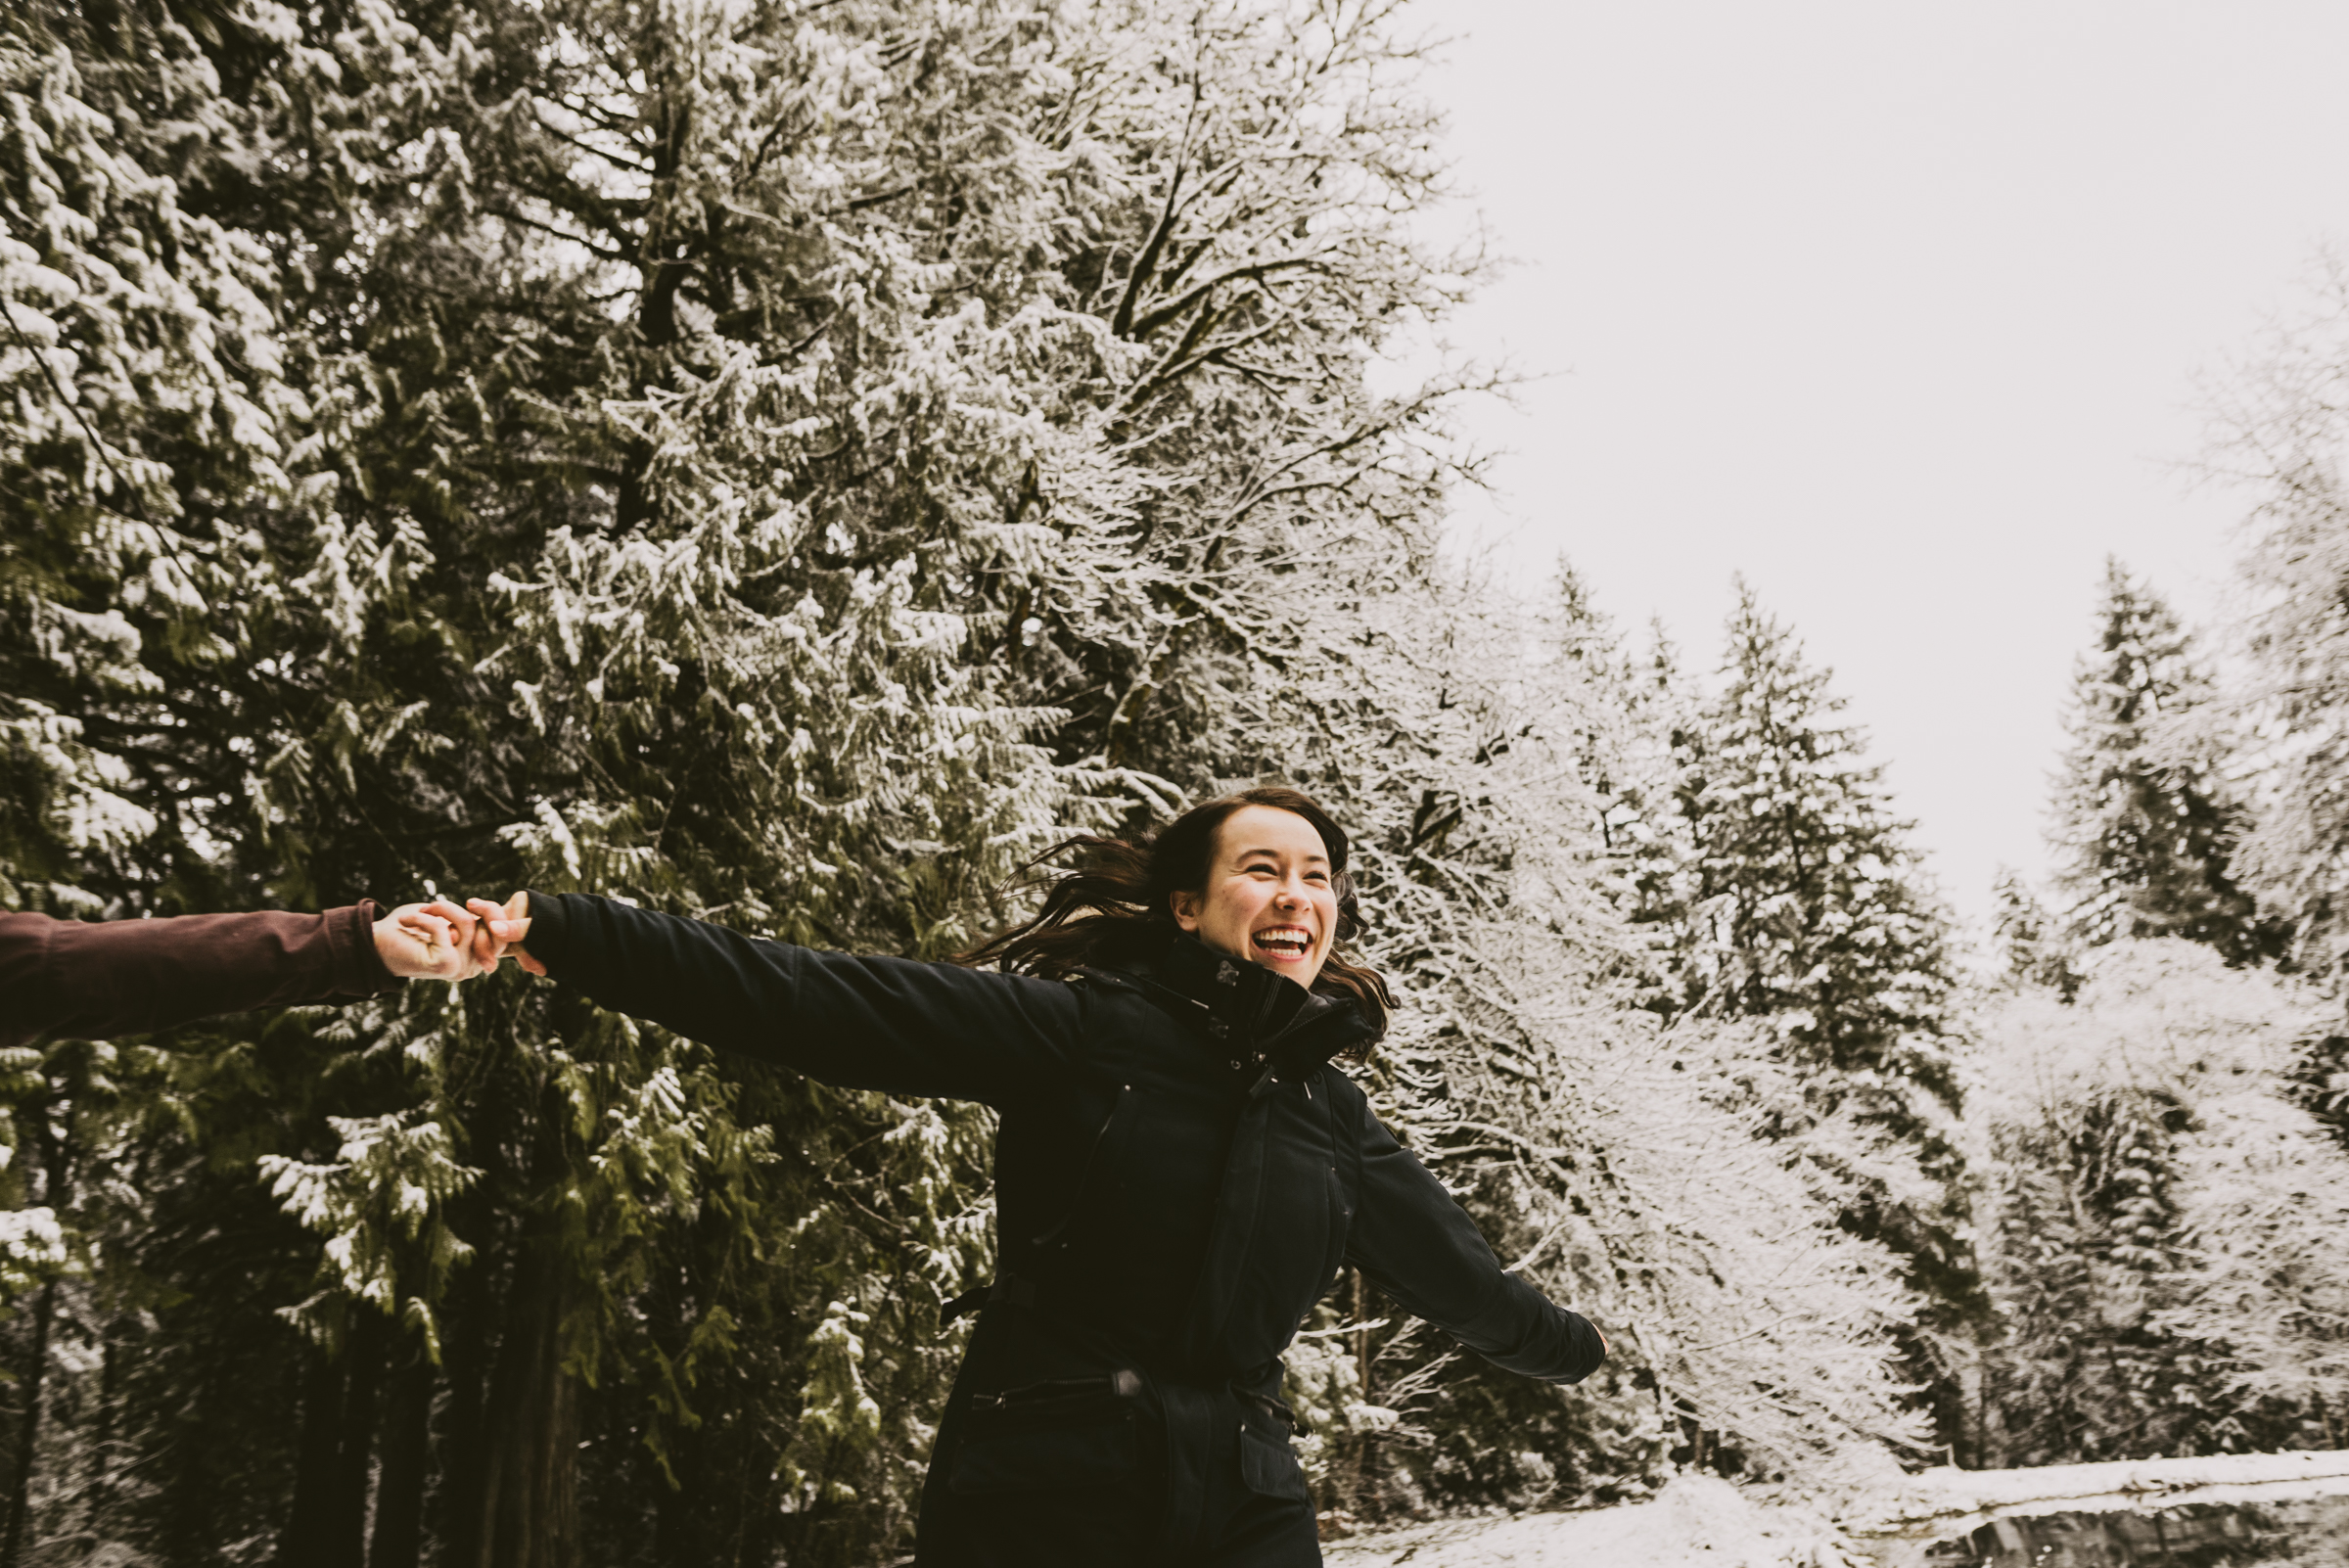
(787, 464)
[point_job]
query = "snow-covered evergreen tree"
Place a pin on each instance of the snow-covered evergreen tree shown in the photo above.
(1813, 906)
(2034, 948)
(960, 473)
(2279, 428)
(2145, 828)
(2162, 1219)
(1811, 916)
(148, 475)
(146, 436)
(1635, 751)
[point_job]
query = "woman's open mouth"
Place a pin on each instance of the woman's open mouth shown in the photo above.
(1286, 945)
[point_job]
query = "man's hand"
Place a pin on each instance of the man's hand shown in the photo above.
(436, 940)
(502, 930)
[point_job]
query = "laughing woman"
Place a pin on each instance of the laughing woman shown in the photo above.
(1180, 1175)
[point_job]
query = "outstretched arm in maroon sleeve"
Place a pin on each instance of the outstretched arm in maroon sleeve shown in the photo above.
(94, 980)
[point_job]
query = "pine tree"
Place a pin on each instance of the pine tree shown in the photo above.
(1811, 903)
(1634, 751)
(2145, 827)
(2034, 948)
(145, 457)
(1811, 916)
(2277, 426)
(779, 464)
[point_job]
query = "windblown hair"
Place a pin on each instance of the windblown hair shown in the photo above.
(1119, 901)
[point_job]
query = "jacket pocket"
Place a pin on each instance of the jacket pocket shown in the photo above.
(1271, 1469)
(1077, 1433)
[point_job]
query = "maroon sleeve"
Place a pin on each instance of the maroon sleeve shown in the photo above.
(96, 980)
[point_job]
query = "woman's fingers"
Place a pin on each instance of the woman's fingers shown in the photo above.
(446, 931)
(444, 940)
(518, 921)
(484, 948)
(427, 927)
(464, 938)
(510, 924)
(511, 920)
(417, 944)
(404, 950)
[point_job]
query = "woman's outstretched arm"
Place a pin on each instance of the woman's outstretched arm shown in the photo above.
(1419, 1246)
(889, 1024)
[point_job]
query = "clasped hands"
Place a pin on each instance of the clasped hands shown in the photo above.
(445, 940)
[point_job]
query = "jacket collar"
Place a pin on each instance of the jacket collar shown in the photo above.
(1266, 1025)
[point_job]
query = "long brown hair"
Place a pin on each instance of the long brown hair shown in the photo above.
(1117, 902)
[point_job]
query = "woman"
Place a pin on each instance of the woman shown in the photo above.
(1180, 1172)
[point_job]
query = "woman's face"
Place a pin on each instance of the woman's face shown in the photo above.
(1269, 897)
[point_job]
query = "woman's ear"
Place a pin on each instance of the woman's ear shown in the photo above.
(1186, 910)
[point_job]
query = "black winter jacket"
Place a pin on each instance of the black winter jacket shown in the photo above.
(1180, 1175)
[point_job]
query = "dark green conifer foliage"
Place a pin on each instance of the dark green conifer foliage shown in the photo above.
(2145, 823)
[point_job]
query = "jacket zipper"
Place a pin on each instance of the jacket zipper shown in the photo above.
(1125, 1383)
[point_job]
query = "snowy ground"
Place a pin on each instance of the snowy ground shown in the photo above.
(1695, 1522)
(1699, 1520)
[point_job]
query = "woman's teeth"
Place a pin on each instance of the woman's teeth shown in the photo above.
(1285, 944)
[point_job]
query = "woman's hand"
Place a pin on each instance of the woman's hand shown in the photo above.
(435, 941)
(502, 930)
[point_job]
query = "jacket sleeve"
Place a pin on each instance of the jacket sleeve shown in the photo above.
(1411, 1240)
(96, 980)
(888, 1024)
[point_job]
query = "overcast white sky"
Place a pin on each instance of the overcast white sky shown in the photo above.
(1897, 310)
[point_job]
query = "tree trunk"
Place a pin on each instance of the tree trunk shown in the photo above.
(327, 1526)
(28, 1429)
(56, 1146)
(529, 1504)
(464, 1448)
(310, 1539)
(470, 1318)
(665, 273)
(363, 1358)
(101, 1485)
(399, 1540)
